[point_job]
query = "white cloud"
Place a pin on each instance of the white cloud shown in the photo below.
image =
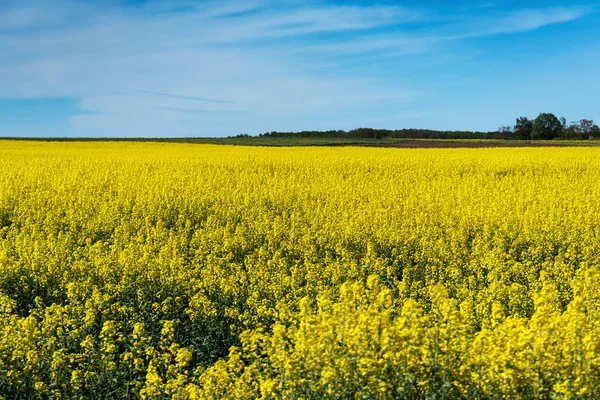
(479, 26)
(521, 21)
(310, 20)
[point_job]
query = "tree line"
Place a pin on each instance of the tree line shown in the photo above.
(545, 127)
(548, 127)
(370, 133)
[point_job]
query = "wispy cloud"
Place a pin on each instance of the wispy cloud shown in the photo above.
(204, 9)
(520, 21)
(308, 20)
(476, 26)
(192, 98)
(203, 111)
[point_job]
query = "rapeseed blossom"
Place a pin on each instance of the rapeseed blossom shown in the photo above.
(144, 270)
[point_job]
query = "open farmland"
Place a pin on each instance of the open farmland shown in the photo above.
(159, 270)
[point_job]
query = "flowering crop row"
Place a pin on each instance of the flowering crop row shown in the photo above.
(139, 270)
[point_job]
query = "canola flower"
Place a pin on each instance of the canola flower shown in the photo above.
(140, 270)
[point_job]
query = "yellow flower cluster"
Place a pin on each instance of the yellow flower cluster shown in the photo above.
(145, 270)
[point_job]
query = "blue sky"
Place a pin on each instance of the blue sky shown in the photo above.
(214, 68)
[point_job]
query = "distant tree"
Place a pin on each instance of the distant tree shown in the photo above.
(546, 127)
(594, 132)
(586, 126)
(581, 129)
(523, 128)
(570, 132)
(505, 132)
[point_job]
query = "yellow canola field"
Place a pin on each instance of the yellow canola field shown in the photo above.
(150, 270)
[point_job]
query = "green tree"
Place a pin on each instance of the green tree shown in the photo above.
(595, 132)
(546, 127)
(586, 127)
(571, 132)
(523, 128)
(582, 129)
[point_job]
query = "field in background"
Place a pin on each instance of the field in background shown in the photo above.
(300, 142)
(198, 271)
